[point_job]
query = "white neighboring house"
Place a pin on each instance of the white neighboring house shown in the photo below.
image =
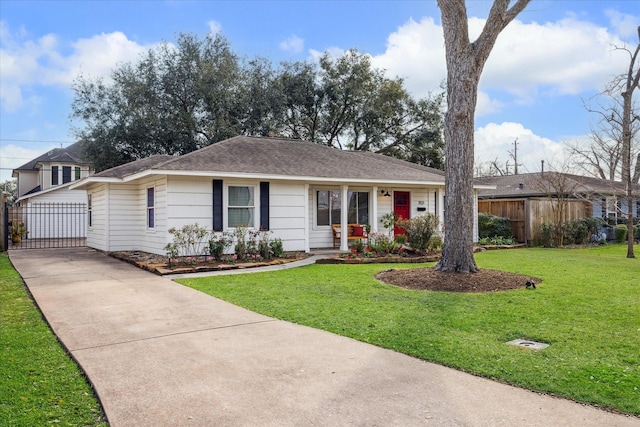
(49, 206)
(296, 189)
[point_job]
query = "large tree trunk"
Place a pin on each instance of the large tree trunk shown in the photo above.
(465, 62)
(457, 253)
(632, 82)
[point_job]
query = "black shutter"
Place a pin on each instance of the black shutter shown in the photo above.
(217, 205)
(264, 205)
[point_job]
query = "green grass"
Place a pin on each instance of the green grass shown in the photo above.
(39, 383)
(587, 309)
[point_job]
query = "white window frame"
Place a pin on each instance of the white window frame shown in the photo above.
(255, 211)
(150, 209)
(90, 210)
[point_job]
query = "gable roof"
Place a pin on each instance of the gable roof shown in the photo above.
(509, 186)
(256, 156)
(70, 154)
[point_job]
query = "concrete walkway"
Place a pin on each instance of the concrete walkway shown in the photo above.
(160, 354)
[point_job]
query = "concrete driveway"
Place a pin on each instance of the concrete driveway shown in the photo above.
(160, 354)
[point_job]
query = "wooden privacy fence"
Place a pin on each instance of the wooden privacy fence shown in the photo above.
(48, 225)
(528, 215)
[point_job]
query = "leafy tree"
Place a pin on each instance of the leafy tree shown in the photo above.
(10, 188)
(182, 97)
(465, 61)
(175, 100)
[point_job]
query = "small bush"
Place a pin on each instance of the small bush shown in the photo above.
(620, 232)
(218, 244)
(419, 230)
(498, 240)
(277, 248)
(492, 225)
(547, 235)
(581, 231)
(357, 247)
(382, 244)
(187, 241)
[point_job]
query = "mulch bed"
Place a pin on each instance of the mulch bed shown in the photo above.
(427, 278)
(158, 264)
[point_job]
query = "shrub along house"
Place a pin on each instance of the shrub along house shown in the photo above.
(295, 189)
(528, 200)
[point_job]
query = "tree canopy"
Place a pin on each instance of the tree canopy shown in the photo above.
(184, 96)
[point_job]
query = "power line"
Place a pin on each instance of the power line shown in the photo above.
(37, 140)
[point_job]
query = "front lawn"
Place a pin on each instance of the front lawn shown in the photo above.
(40, 384)
(587, 309)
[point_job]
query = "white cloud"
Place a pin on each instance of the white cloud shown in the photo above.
(495, 141)
(26, 63)
(626, 25)
(214, 27)
(529, 59)
(293, 44)
(415, 52)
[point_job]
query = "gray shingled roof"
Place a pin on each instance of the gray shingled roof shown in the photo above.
(135, 166)
(509, 186)
(286, 157)
(70, 154)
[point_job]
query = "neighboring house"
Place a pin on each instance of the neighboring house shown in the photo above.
(526, 199)
(293, 188)
(49, 207)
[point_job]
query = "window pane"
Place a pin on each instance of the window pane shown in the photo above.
(352, 216)
(363, 208)
(240, 217)
(150, 197)
(66, 174)
(77, 173)
(240, 196)
(335, 200)
(322, 209)
(54, 175)
(151, 223)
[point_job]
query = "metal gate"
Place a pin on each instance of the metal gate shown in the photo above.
(46, 225)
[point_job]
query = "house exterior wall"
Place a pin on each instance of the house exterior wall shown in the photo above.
(27, 181)
(97, 228)
(190, 200)
(426, 197)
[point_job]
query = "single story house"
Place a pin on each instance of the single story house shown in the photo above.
(526, 199)
(296, 189)
(45, 203)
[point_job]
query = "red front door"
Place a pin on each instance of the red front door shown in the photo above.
(401, 207)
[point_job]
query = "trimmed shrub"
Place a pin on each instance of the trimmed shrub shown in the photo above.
(420, 230)
(620, 232)
(581, 230)
(492, 225)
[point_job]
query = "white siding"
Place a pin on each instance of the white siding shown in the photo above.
(190, 200)
(287, 214)
(97, 232)
(27, 181)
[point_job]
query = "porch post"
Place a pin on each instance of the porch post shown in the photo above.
(344, 217)
(441, 209)
(373, 215)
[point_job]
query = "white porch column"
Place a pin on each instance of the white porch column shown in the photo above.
(373, 214)
(344, 217)
(441, 209)
(307, 219)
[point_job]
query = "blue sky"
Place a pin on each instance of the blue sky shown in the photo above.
(556, 54)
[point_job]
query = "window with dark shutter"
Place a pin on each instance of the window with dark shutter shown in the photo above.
(217, 205)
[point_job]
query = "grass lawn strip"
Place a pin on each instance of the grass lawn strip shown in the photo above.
(41, 384)
(587, 309)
